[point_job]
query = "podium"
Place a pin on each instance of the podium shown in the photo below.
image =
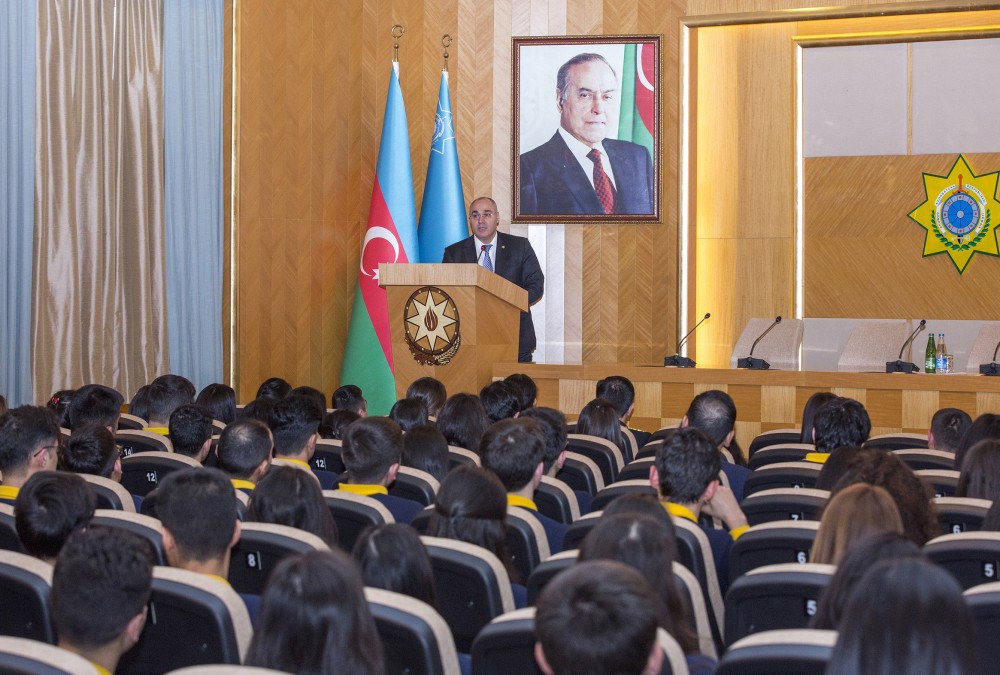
(450, 321)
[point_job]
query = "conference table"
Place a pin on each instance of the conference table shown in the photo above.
(765, 399)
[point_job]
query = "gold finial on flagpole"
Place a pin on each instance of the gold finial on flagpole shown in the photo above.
(397, 32)
(446, 42)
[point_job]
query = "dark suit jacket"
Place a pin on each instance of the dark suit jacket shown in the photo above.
(553, 182)
(515, 262)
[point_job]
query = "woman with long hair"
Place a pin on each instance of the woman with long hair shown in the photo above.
(292, 497)
(851, 515)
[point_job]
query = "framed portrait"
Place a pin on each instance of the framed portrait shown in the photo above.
(586, 145)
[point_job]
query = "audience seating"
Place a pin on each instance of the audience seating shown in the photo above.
(547, 571)
(327, 456)
(218, 427)
(415, 639)
(637, 469)
(802, 651)
(961, 514)
(695, 553)
(648, 451)
(127, 421)
(777, 542)
(780, 452)
(353, 513)
(922, 458)
(260, 548)
(631, 448)
(700, 621)
(984, 605)
(662, 434)
(606, 455)
(556, 500)
(774, 597)
(620, 488)
(110, 494)
(527, 544)
(944, 482)
(421, 521)
(144, 526)
(472, 586)
(9, 541)
(136, 440)
(64, 434)
(782, 475)
(25, 585)
(973, 558)
(142, 471)
(415, 485)
(897, 441)
(21, 655)
(581, 473)
(193, 619)
(327, 479)
(224, 669)
(457, 455)
(578, 529)
(773, 437)
(784, 504)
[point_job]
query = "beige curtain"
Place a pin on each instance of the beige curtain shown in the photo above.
(99, 294)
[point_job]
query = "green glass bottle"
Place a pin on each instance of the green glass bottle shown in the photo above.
(930, 358)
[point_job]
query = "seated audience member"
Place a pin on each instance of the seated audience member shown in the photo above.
(314, 619)
(854, 513)
(714, 414)
(59, 404)
(980, 476)
(838, 423)
(273, 388)
(244, 452)
(287, 496)
(463, 421)
(815, 402)
(178, 382)
(685, 473)
(220, 401)
(334, 423)
(393, 558)
(514, 450)
(408, 413)
(294, 424)
(620, 392)
(432, 392)
(599, 418)
(139, 404)
(349, 397)
(50, 507)
(318, 397)
(500, 399)
(3, 405)
(947, 428)
(425, 448)
(163, 399)
(190, 431)
(373, 447)
(986, 426)
(876, 547)
(91, 449)
(638, 504)
(527, 390)
(100, 591)
(553, 425)
(29, 443)
(95, 404)
(258, 409)
(649, 546)
(602, 614)
(905, 616)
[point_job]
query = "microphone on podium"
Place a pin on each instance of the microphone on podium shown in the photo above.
(991, 368)
(749, 361)
(678, 361)
(899, 365)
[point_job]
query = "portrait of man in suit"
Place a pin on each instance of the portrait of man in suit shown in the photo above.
(580, 170)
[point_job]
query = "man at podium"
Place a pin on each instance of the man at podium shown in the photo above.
(505, 254)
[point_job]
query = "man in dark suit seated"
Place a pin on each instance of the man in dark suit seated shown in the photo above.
(514, 450)
(713, 413)
(580, 170)
(29, 443)
(373, 448)
(509, 256)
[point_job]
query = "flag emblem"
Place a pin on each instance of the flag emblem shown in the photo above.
(432, 326)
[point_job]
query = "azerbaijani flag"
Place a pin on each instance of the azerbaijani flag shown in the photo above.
(442, 212)
(391, 237)
(637, 118)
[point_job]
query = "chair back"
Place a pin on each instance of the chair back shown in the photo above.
(9, 539)
(110, 494)
(773, 437)
(637, 469)
(25, 586)
(944, 482)
(984, 605)
(415, 485)
(774, 543)
(353, 514)
(145, 527)
(782, 475)
(606, 455)
(526, 542)
(897, 441)
(619, 489)
(579, 528)
(139, 440)
(133, 422)
(327, 456)
(802, 651)
(547, 570)
(415, 638)
(784, 504)
(973, 558)
(21, 655)
(556, 500)
(792, 451)
(507, 645)
(260, 548)
(961, 514)
(457, 455)
(580, 472)
(695, 553)
(923, 458)
(143, 471)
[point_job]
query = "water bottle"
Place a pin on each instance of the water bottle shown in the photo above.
(930, 356)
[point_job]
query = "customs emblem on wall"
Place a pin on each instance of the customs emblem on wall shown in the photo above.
(432, 326)
(959, 214)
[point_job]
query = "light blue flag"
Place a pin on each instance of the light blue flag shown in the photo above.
(442, 213)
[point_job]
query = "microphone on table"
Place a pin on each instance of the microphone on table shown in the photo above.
(757, 364)
(678, 361)
(899, 365)
(991, 368)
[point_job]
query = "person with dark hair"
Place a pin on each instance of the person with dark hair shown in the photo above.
(713, 413)
(177, 383)
(599, 418)
(91, 449)
(553, 425)
(349, 397)
(335, 423)
(500, 399)
(139, 404)
(947, 428)
(905, 616)
(815, 402)
(314, 619)
(856, 512)
(373, 447)
(637, 504)
(620, 391)
(244, 452)
(425, 448)
(57, 403)
(260, 409)
(838, 423)
(190, 431)
(431, 391)
(286, 496)
(393, 558)
(29, 443)
(601, 616)
(50, 507)
(685, 473)
(294, 424)
(463, 421)
(514, 450)
(163, 399)
(527, 390)
(875, 547)
(273, 388)
(408, 413)
(980, 475)
(220, 401)
(3, 405)
(95, 404)
(311, 392)
(986, 426)
(101, 586)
